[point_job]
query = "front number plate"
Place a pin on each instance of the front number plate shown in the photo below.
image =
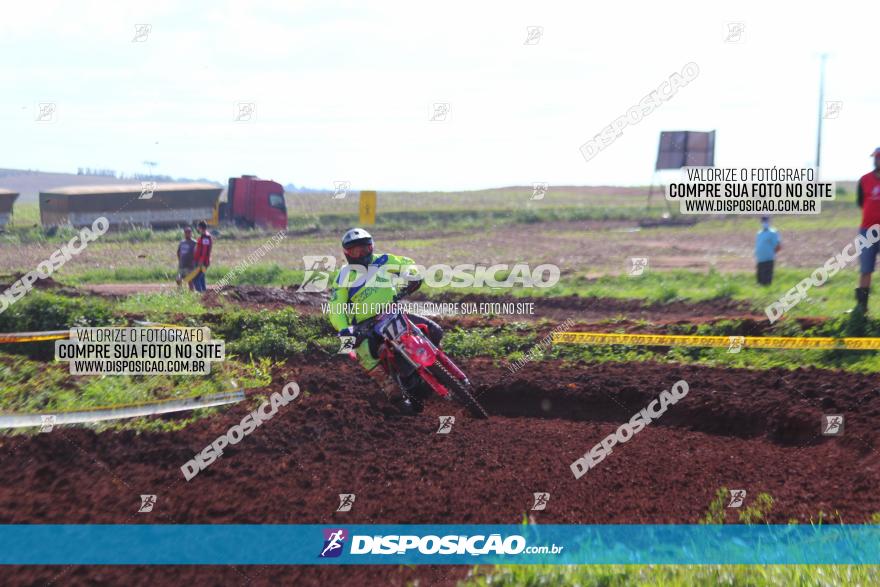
(394, 326)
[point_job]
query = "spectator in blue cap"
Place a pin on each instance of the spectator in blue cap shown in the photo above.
(767, 244)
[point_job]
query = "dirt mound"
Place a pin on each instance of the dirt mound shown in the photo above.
(7, 279)
(753, 430)
(288, 296)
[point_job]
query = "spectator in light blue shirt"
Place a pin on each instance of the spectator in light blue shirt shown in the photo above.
(767, 244)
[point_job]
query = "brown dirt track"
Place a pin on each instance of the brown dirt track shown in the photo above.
(755, 430)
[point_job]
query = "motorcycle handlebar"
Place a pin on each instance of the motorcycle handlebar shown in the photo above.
(363, 328)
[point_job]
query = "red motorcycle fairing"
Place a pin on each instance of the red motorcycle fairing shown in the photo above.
(421, 351)
(432, 381)
(418, 349)
(406, 349)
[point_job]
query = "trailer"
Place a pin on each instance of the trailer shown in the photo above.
(7, 199)
(143, 204)
(250, 202)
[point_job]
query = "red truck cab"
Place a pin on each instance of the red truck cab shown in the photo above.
(255, 202)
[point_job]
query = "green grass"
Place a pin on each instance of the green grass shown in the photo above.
(25, 214)
(160, 307)
(470, 219)
(511, 342)
(831, 299)
(277, 334)
(675, 575)
(685, 575)
(31, 381)
(257, 274)
(30, 386)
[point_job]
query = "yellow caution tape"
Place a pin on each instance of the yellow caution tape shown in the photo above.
(33, 336)
(730, 342)
(192, 274)
(11, 337)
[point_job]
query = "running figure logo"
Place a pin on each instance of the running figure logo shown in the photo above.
(45, 112)
(317, 275)
(539, 190)
(533, 35)
(446, 423)
(347, 345)
(735, 32)
(341, 190)
(47, 423)
(832, 424)
(541, 500)
(737, 497)
(832, 108)
(147, 503)
(142, 33)
(736, 343)
(346, 500)
(334, 539)
(147, 189)
(638, 266)
(440, 112)
(245, 112)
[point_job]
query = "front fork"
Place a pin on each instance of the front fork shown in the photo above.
(452, 367)
(423, 370)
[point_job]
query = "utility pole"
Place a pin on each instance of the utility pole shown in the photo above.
(823, 57)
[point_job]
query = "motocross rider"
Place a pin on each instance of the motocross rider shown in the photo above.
(366, 293)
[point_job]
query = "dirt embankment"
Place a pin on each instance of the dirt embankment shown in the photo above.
(753, 430)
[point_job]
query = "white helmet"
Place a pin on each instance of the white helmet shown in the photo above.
(354, 235)
(357, 244)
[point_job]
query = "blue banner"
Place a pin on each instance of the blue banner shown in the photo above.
(250, 544)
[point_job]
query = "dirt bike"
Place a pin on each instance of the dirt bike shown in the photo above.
(406, 352)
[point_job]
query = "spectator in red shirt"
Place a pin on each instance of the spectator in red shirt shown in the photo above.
(868, 197)
(202, 256)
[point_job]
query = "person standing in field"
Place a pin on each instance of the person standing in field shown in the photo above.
(767, 244)
(186, 257)
(868, 199)
(202, 256)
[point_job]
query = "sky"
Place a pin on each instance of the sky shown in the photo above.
(346, 91)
